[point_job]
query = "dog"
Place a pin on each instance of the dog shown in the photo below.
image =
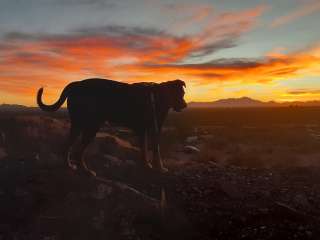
(142, 107)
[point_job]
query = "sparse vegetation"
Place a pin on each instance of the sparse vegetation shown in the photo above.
(255, 177)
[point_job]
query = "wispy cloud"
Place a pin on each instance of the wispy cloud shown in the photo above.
(304, 91)
(30, 60)
(303, 10)
(193, 13)
(61, 59)
(262, 71)
(98, 3)
(148, 45)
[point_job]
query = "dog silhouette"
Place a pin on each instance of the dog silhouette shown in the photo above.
(142, 107)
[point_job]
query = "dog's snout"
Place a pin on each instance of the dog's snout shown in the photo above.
(181, 106)
(184, 104)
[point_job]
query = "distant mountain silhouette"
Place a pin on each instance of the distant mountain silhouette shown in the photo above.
(248, 102)
(221, 103)
(14, 107)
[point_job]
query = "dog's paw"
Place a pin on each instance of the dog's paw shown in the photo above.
(147, 165)
(72, 165)
(87, 170)
(163, 170)
(91, 173)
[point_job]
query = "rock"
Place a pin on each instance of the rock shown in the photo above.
(231, 190)
(301, 200)
(113, 160)
(98, 221)
(206, 137)
(3, 153)
(53, 237)
(48, 159)
(191, 149)
(191, 139)
(309, 233)
(2, 138)
(102, 191)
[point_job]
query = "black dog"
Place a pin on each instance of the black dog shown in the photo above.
(141, 107)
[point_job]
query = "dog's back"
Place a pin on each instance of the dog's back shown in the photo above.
(96, 100)
(92, 101)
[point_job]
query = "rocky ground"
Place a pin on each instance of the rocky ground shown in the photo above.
(41, 198)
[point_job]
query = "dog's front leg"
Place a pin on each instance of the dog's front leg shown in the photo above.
(157, 161)
(68, 147)
(144, 149)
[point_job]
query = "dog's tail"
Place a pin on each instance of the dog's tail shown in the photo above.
(57, 104)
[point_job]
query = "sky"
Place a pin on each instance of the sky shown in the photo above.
(267, 50)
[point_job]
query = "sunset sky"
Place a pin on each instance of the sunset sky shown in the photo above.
(267, 50)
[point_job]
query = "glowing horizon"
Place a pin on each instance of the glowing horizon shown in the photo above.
(222, 50)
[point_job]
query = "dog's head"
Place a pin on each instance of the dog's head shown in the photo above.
(175, 94)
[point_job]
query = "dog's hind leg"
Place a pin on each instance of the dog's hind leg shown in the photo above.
(144, 149)
(73, 136)
(157, 161)
(87, 136)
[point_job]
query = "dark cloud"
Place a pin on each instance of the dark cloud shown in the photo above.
(283, 71)
(12, 36)
(31, 58)
(72, 3)
(234, 63)
(112, 32)
(99, 3)
(208, 75)
(304, 91)
(5, 46)
(214, 47)
(138, 38)
(230, 63)
(161, 45)
(116, 30)
(132, 40)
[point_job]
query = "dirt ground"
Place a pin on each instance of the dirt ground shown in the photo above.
(231, 189)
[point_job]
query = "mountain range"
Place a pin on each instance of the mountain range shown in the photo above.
(248, 102)
(221, 103)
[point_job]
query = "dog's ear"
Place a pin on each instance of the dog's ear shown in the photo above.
(180, 82)
(174, 84)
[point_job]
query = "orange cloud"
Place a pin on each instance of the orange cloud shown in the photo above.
(112, 51)
(134, 54)
(74, 63)
(303, 10)
(269, 69)
(304, 92)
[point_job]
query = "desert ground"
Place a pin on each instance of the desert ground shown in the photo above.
(242, 173)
